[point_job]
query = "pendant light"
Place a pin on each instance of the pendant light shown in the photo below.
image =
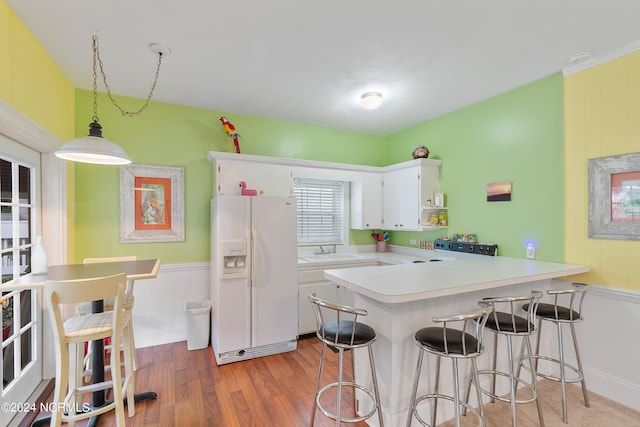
(94, 148)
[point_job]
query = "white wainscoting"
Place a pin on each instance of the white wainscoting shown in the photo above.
(159, 316)
(609, 344)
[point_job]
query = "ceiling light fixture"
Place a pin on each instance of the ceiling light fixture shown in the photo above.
(94, 148)
(371, 100)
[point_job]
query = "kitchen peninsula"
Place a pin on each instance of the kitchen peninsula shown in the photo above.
(400, 299)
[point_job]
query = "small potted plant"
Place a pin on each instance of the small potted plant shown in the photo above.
(7, 317)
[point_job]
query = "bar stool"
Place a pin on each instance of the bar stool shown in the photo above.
(343, 334)
(566, 309)
(506, 320)
(444, 341)
(75, 331)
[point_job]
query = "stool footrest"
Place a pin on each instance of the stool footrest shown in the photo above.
(354, 386)
(445, 397)
(527, 385)
(578, 378)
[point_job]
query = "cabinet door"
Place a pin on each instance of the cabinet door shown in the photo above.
(402, 199)
(365, 197)
(324, 290)
(267, 180)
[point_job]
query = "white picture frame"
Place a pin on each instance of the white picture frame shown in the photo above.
(151, 204)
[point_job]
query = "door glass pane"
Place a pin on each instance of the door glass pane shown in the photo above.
(5, 181)
(25, 344)
(6, 231)
(24, 184)
(7, 266)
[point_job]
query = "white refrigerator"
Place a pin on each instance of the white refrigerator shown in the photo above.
(254, 277)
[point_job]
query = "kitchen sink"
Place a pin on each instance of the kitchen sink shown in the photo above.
(330, 257)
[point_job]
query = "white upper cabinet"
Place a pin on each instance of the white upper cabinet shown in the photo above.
(407, 187)
(391, 198)
(266, 179)
(365, 201)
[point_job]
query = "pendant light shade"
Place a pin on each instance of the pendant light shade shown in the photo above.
(94, 148)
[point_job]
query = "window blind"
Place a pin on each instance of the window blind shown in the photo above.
(320, 211)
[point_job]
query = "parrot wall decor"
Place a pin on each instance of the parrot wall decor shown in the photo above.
(230, 130)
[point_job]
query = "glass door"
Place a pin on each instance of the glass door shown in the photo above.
(20, 361)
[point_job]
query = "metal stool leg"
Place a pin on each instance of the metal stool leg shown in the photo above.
(495, 362)
(315, 398)
(579, 361)
(437, 390)
(534, 378)
(375, 387)
(456, 392)
(339, 400)
(562, 374)
(474, 374)
(414, 393)
(512, 379)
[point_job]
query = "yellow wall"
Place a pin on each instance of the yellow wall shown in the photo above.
(602, 118)
(30, 81)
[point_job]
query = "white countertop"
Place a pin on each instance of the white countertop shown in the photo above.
(407, 282)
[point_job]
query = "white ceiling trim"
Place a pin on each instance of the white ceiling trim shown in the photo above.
(601, 59)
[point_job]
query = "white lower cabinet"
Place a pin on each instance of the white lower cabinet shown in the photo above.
(313, 281)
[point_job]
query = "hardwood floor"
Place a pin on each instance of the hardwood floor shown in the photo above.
(193, 391)
(278, 391)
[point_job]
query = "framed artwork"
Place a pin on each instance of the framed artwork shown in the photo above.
(151, 204)
(499, 191)
(614, 197)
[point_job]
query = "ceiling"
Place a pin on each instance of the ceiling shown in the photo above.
(309, 62)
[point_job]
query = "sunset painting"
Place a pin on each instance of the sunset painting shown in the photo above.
(499, 192)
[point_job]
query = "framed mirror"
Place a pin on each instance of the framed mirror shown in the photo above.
(614, 197)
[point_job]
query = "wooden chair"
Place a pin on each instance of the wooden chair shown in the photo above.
(71, 332)
(85, 308)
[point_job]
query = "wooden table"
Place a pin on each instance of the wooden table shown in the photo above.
(135, 270)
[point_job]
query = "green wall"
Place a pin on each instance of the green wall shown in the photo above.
(175, 135)
(518, 137)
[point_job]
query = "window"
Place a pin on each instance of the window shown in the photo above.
(320, 211)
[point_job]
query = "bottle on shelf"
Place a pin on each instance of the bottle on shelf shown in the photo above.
(39, 262)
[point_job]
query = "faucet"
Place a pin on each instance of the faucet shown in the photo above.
(323, 252)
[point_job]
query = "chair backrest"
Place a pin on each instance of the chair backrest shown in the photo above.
(68, 292)
(129, 288)
(338, 317)
(571, 299)
(457, 326)
(508, 317)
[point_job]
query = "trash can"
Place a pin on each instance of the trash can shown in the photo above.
(197, 324)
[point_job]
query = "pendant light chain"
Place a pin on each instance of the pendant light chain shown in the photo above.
(96, 56)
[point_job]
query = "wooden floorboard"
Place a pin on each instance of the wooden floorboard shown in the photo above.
(277, 391)
(271, 391)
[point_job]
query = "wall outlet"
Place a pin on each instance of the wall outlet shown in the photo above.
(531, 252)
(413, 241)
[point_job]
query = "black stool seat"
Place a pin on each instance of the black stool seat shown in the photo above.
(347, 334)
(464, 341)
(506, 322)
(555, 312)
(434, 339)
